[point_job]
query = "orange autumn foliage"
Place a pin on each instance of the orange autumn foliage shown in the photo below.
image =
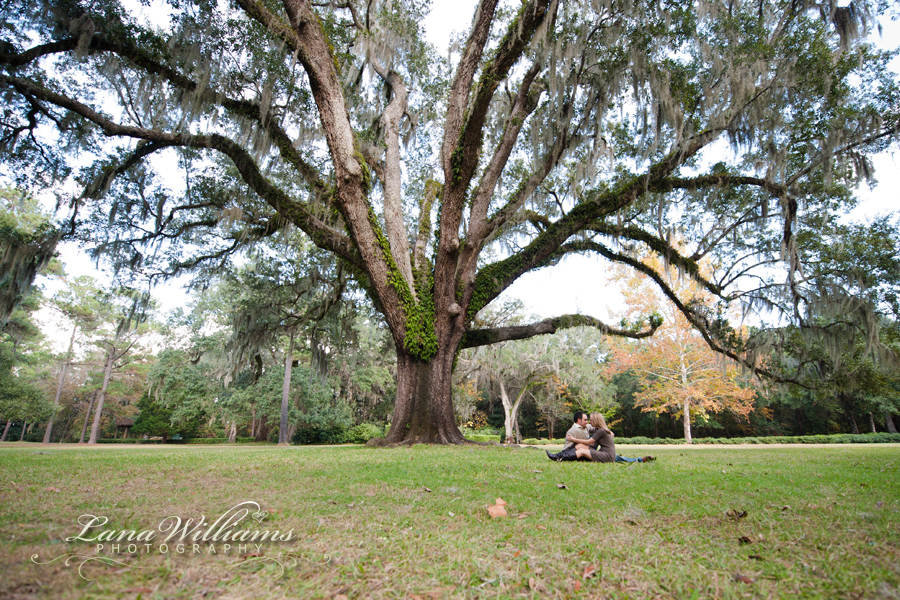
(678, 371)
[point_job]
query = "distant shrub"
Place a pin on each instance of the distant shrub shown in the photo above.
(217, 440)
(840, 438)
(306, 436)
(482, 437)
(364, 432)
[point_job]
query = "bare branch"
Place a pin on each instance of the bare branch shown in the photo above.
(485, 337)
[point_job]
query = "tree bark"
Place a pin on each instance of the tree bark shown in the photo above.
(687, 421)
(6, 430)
(286, 393)
(59, 386)
(423, 410)
(262, 429)
(872, 423)
(889, 423)
(98, 413)
(511, 412)
(87, 415)
(24, 425)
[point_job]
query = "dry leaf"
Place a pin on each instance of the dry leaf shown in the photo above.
(137, 591)
(745, 539)
(341, 597)
(536, 585)
(426, 489)
(783, 508)
(755, 557)
(541, 527)
(736, 514)
(536, 471)
(51, 489)
(497, 510)
(562, 486)
(589, 571)
(742, 578)
(577, 586)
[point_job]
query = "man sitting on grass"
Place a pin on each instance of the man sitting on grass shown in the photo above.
(578, 431)
(601, 439)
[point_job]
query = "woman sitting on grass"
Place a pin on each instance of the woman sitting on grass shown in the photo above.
(602, 438)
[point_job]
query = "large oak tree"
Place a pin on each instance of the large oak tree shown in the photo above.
(553, 128)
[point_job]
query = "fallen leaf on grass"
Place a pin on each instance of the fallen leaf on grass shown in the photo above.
(341, 597)
(736, 514)
(577, 586)
(536, 471)
(536, 585)
(498, 509)
(426, 489)
(51, 489)
(755, 557)
(742, 578)
(541, 527)
(137, 591)
(784, 508)
(744, 539)
(562, 486)
(589, 571)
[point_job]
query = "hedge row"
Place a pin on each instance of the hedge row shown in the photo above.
(841, 438)
(240, 440)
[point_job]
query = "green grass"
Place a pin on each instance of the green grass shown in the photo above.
(821, 522)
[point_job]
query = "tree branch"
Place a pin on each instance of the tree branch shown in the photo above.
(484, 337)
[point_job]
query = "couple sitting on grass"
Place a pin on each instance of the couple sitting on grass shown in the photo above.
(597, 447)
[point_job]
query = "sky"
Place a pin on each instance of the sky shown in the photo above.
(578, 284)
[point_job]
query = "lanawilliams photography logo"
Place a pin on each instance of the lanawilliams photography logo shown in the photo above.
(231, 533)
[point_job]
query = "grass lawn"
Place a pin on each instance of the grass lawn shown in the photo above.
(412, 523)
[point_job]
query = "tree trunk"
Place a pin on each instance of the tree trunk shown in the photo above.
(687, 421)
(262, 429)
(22, 436)
(65, 431)
(59, 386)
(853, 425)
(286, 394)
(6, 430)
(872, 423)
(423, 410)
(232, 433)
(98, 413)
(508, 412)
(889, 423)
(87, 416)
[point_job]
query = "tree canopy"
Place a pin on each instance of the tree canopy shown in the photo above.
(553, 128)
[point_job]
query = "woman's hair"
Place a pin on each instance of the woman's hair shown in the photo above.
(599, 422)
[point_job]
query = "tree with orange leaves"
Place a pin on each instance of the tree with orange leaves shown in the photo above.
(679, 372)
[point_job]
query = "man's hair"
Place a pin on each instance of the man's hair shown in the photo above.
(578, 416)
